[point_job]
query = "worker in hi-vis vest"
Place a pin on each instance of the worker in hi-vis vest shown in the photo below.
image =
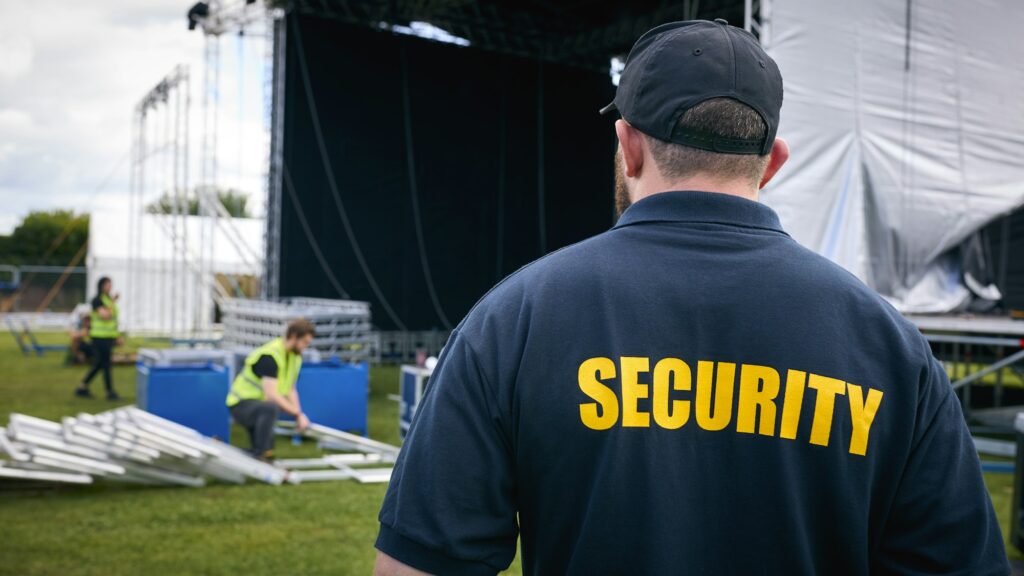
(266, 385)
(104, 334)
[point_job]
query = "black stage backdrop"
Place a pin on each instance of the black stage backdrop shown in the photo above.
(486, 176)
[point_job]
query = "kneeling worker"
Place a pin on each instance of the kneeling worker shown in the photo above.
(266, 384)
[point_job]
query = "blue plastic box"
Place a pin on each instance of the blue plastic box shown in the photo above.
(191, 395)
(412, 386)
(335, 394)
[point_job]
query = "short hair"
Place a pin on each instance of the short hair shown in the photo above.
(300, 328)
(722, 117)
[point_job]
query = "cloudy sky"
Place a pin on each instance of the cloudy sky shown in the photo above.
(71, 73)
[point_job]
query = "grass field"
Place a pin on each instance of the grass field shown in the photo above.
(324, 528)
(318, 528)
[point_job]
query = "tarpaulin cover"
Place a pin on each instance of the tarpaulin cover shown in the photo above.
(906, 125)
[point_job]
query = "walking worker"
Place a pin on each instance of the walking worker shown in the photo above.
(104, 335)
(690, 392)
(266, 385)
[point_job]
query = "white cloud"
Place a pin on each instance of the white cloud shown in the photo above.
(8, 222)
(6, 149)
(15, 55)
(12, 120)
(71, 73)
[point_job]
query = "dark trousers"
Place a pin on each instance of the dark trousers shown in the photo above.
(258, 419)
(102, 350)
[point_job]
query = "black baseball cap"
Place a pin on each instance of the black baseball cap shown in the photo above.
(678, 65)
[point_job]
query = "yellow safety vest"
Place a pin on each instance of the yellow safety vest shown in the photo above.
(248, 386)
(100, 328)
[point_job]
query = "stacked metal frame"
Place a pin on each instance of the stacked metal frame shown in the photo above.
(125, 445)
(133, 446)
(343, 327)
(397, 346)
(363, 452)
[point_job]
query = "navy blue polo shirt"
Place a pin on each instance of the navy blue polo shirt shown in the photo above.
(691, 392)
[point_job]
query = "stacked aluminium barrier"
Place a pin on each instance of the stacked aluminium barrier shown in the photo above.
(125, 445)
(131, 445)
(343, 327)
(360, 451)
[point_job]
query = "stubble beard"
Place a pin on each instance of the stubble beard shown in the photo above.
(622, 201)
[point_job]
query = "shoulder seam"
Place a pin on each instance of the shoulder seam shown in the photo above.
(488, 385)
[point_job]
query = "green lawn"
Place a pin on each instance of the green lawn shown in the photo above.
(319, 528)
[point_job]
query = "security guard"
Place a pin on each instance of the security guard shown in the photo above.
(266, 385)
(691, 392)
(104, 335)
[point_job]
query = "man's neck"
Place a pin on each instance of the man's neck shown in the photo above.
(732, 187)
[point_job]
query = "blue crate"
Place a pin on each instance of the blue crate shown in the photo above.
(335, 394)
(191, 395)
(411, 387)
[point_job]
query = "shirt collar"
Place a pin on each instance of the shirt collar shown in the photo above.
(701, 207)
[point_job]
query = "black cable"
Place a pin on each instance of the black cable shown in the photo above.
(542, 223)
(499, 263)
(410, 159)
(309, 233)
(329, 171)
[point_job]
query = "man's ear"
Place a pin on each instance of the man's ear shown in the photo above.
(777, 157)
(631, 142)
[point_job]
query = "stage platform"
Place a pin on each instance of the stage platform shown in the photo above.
(991, 325)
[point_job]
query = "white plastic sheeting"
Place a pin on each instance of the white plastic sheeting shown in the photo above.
(158, 292)
(906, 125)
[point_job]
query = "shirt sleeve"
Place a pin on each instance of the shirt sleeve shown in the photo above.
(97, 303)
(942, 520)
(450, 506)
(265, 367)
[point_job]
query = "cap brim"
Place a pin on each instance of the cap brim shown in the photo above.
(608, 109)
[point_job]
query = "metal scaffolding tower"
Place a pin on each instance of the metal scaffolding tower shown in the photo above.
(165, 197)
(241, 17)
(159, 177)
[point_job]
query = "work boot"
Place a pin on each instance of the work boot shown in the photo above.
(83, 392)
(111, 395)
